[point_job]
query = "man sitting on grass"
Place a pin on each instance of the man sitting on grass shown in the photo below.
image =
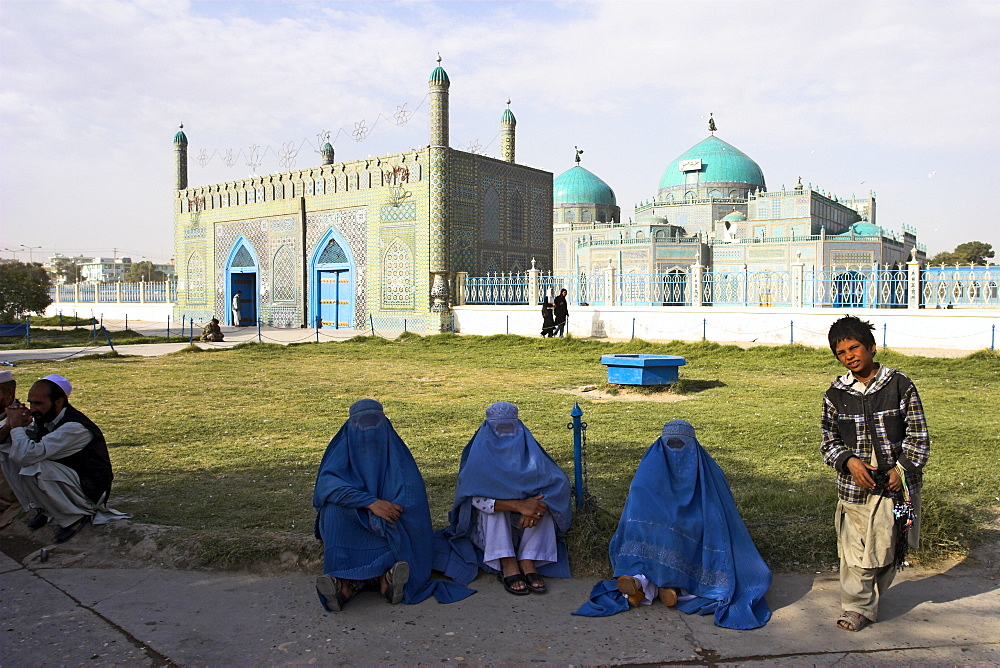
(61, 459)
(512, 508)
(373, 517)
(212, 332)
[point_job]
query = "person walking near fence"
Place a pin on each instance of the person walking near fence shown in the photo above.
(561, 312)
(548, 319)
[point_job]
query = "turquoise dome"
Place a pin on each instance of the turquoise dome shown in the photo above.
(439, 76)
(580, 186)
(721, 162)
(180, 137)
(863, 230)
(508, 117)
(734, 217)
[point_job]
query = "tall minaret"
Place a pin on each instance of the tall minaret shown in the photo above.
(180, 159)
(507, 124)
(438, 172)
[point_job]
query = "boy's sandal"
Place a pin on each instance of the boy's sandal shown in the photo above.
(328, 590)
(509, 582)
(395, 579)
(852, 621)
(535, 583)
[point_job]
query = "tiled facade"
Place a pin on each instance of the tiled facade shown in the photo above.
(401, 220)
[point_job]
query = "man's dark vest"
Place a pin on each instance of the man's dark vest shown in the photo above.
(93, 463)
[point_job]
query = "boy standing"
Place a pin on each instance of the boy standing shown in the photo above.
(875, 436)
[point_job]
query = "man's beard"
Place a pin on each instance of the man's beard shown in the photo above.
(48, 416)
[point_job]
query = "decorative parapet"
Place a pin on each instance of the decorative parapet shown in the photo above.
(385, 171)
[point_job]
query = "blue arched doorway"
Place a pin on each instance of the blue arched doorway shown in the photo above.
(331, 283)
(242, 276)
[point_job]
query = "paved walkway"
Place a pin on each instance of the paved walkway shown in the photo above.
(284, 336)
(59, 615)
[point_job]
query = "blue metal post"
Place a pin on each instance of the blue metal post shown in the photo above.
(108, 337)
(404, 325)
(126, 322)
(190, 332)
(993, 336)
(27, 330)
(258, 330)
(168, 327)
(508, 324)
(885, 328)
(791, 332)
(319, 321)
(704, 329)
(576, 414)
(371, 321)
(633, 329)
(183, 323)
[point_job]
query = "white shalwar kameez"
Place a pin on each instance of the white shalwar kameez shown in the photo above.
(494, 535)
(38, 482)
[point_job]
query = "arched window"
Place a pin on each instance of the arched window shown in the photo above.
(491, 215)
(196, 278)
(586, 216)
(689, 196)
(283, 275)
(397, 276)
(561, 253)
(516, 218)
(569, 216)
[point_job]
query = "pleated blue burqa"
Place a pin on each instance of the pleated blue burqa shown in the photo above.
(680, 528)
(367, 461)
(502, 461)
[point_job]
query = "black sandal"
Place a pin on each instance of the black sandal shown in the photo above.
(328, 590)
(509, 582)
(395, 579)
(535, 583)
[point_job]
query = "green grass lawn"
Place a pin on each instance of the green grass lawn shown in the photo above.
(225, 444)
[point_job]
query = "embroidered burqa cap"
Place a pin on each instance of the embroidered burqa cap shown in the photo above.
(61, 381)
(501, 461)
(681, 528)
(367, 461)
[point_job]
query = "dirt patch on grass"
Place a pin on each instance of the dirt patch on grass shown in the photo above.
(597, 393)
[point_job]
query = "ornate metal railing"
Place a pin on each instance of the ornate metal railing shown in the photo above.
(497, 289)
(164, 292)
(945, 287)
(857, 288)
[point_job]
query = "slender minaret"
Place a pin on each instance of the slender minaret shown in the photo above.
(507, 124)
(438, 172)
(180, 159)
(327, 153)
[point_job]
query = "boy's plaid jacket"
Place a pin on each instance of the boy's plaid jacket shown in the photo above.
(889, 418)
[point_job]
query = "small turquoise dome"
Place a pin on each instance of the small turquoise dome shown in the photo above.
(734, 217)
(581, 186)
(439, 76)
(180, 137)
(721, 162)
(507, 117)
(863, 229)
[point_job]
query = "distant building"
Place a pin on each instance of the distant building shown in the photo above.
(374, 241)
(713, 209)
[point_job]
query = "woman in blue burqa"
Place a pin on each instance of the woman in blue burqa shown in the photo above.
(373, 518)
(681, 540)
(512, 508)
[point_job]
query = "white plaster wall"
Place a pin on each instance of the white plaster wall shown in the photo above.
(943, 329)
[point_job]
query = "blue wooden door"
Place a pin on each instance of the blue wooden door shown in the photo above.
(336, 306)
(246, 283)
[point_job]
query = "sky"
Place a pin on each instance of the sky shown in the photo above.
(890, 97)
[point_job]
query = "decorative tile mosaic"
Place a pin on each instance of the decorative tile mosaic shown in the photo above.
(284, 271)
(196, 279)
(397, 276)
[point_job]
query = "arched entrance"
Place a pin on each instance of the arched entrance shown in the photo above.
(331, 278)
(242, 276)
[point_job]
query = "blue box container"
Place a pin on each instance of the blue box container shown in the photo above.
(642, 369)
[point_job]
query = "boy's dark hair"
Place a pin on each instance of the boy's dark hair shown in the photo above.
(851, 327)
